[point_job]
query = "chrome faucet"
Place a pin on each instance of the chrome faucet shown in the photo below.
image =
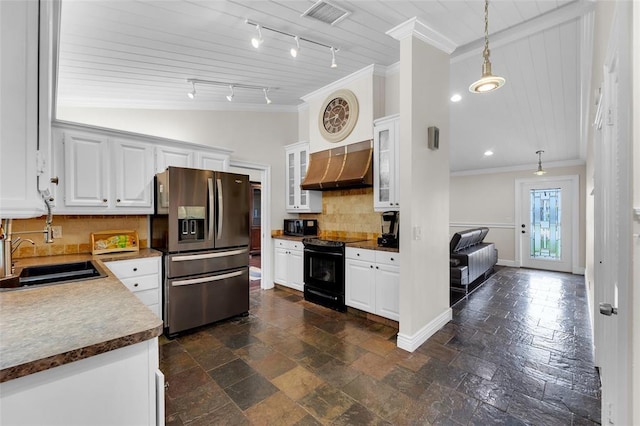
(16, 243)
(6, 246)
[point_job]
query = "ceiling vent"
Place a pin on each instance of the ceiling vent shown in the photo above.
(326, 12)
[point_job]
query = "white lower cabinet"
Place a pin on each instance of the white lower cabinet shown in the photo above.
(141, 276)
(118, 387)
(372, 282)
(289, 264)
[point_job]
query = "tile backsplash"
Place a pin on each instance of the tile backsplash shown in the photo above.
(348, 212)
(76, 233)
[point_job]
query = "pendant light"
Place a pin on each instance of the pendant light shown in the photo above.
(266, 98)
(540, 170)
(333, 58)
(488, 82)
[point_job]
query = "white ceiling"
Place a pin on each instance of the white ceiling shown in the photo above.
(125, 53)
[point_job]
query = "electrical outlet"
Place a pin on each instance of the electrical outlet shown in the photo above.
(56, 231)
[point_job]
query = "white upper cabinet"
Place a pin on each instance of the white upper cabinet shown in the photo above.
(173, 156)
(101, 175)
(86, 161)
(297, 199)
(25, 88)
(212, 161)
(133, 165)
(386, 169)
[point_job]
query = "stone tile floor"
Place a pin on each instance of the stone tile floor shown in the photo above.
(518, 351)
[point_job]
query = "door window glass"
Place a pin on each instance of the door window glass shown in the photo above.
(545, 225)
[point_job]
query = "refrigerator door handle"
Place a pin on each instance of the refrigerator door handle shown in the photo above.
(188, 257)
(211, 206)
(206, 279)
(220, 208)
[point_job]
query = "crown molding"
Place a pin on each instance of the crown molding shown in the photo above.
(414, 27)
(523, 167)
(369, 70)
(393, 69)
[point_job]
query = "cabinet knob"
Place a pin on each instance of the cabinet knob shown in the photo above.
(377, 267)
(135, 269)
(397, 204)
(135, 285)
(357, 254)
(392, 259)
(371, 266)
(117, 200)
(104, 200)
(51, 198)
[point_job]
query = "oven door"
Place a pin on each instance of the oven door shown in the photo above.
(324, 271)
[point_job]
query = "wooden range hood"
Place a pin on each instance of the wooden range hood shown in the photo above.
(339, 168)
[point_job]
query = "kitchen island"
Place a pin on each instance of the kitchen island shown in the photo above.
(81, 352)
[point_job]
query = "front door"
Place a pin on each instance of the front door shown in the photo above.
(546, 228)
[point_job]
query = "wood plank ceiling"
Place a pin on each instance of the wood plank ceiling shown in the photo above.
(139, 54)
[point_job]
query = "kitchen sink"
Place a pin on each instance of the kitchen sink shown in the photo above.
(54, 274)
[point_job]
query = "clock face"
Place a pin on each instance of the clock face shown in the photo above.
(338, 115)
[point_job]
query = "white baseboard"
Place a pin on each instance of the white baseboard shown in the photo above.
(411, 343)
(578, 270)
(505, 262)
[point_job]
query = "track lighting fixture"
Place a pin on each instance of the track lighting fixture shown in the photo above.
(230, 95)
(540, 170)
(488, 82)
(192, 93)
(231, 86)
(257, 41)
(294, 50)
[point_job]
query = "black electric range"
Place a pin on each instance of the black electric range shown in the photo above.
(324, 271)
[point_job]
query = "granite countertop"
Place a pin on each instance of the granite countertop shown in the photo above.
(291, 237)
(47, 326)
(372, 245)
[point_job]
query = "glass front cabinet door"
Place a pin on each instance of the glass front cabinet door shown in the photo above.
(298, 200)
(386, 164)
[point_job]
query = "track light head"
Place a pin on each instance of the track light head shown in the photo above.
(230, 95)
(294, 50)
(257, 41)
(192, 93)
(333, 57)
(266, 98)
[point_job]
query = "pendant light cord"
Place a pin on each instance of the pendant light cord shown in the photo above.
(485, 53)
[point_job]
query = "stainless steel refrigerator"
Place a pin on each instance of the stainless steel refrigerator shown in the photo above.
(201, 223)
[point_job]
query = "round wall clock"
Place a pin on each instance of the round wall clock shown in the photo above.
(338, 115)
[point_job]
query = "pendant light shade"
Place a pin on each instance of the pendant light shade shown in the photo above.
(192, 93)
(540, 170)
(257, 41)
(294, 50)
(230, 95)
(488, 82)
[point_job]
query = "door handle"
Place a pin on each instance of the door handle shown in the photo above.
(220, 208)
(607, 309)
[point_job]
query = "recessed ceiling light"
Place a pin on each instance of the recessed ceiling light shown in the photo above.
(488, 153)
(456, 98)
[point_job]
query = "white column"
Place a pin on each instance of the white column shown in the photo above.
(424, 182)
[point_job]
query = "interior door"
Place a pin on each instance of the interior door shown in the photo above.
(546, 223)
(613, 229)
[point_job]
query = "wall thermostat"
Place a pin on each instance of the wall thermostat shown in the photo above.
(433, 137)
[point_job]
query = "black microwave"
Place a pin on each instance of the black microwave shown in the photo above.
(300, 227)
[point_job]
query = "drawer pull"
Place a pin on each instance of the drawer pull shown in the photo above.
(392, 259)
(135, 269)
(135, 285)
